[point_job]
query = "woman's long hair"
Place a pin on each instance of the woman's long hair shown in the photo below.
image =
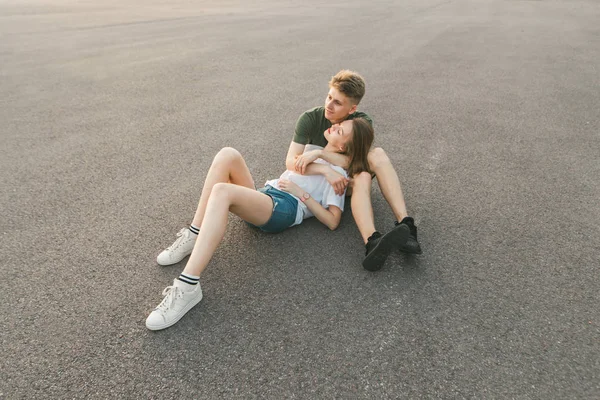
(357, 149)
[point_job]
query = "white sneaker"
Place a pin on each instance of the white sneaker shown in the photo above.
(181, 248)
(176, 303)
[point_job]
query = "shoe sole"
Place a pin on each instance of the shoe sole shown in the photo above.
(408, 250)
(173, 261)
(179, 316)
(376, 258)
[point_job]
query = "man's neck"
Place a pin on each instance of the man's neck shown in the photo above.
(338, 121)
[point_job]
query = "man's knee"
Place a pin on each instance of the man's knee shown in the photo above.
(228, 154)
(377, 158)
(362, 180)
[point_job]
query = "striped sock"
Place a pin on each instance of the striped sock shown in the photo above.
(194, 229)
(189, 279)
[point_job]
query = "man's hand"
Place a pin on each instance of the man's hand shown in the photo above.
(337, 180)
(302, 160)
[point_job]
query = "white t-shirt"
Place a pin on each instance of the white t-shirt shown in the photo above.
(316, 185)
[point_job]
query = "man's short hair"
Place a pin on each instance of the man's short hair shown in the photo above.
(350, 84)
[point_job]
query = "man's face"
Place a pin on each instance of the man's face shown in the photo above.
(338, 106)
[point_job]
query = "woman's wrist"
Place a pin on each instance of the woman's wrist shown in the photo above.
(304, 196)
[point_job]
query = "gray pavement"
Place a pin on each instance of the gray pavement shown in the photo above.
(111, 112)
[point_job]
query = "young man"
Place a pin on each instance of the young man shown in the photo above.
(346, 89)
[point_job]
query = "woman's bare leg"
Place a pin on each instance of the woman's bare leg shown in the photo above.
(228, 166)
(249, 204)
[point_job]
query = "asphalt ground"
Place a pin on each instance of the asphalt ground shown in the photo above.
(111, 112)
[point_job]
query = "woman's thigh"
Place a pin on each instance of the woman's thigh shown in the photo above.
(249, 204)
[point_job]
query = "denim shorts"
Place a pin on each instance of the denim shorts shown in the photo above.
(285, 208)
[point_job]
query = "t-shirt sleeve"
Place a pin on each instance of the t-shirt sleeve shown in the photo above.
(303, 128)
(329, 196)
(332, 199)
(359, 114)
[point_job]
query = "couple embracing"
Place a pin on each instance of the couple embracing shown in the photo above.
(330, 157)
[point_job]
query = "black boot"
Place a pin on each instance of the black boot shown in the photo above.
(411, 246)
(379, 247)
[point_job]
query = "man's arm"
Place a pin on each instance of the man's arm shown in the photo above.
(294, 151)
(335, 179)
(298, 161)
(306, 159)
(304, 127)
(337, 159)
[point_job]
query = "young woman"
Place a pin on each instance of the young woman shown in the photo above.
(282, 203)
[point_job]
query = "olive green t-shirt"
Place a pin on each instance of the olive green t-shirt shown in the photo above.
(312, 124)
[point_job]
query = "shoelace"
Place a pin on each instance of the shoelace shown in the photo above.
(171, 293)
(178, 240)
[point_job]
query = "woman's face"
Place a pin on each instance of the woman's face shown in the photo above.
(339, 134)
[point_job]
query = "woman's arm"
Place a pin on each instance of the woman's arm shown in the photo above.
(338, 181)
(330, 217)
